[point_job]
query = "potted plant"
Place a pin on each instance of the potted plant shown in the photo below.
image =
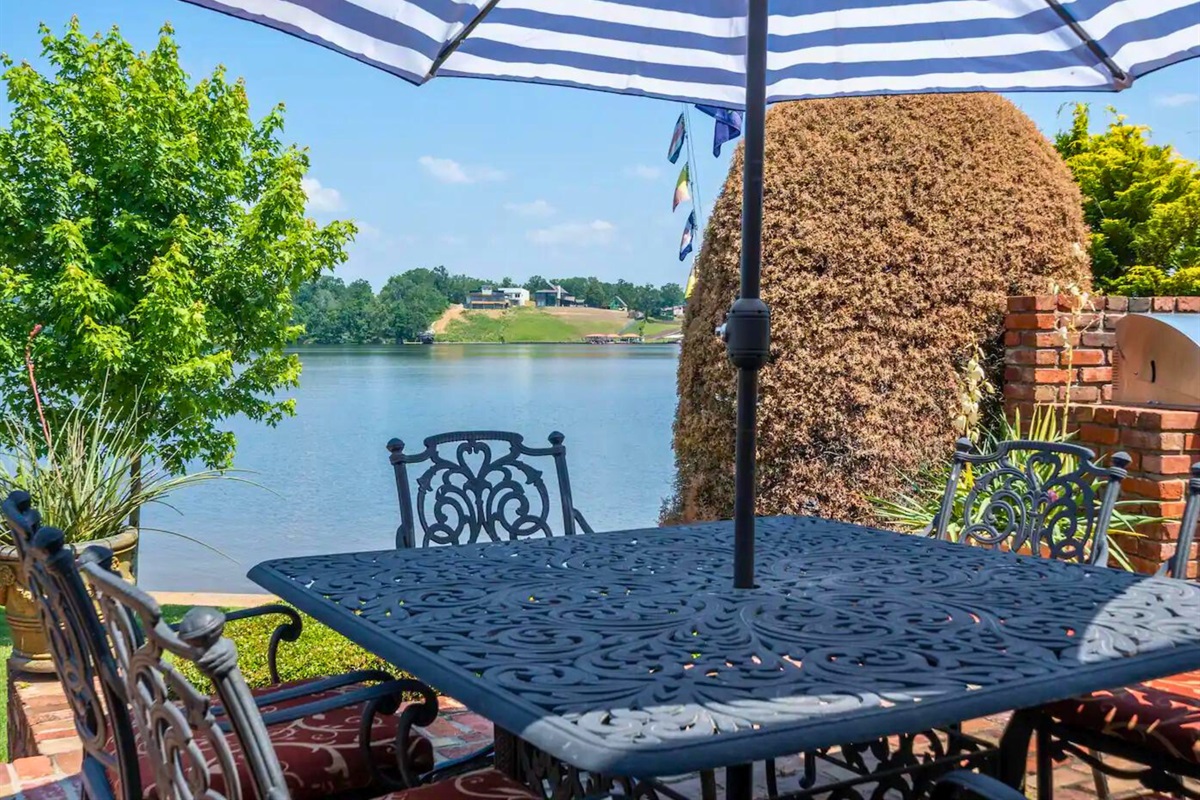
(89, 474)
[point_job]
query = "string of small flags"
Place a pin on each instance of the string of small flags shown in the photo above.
(728, 127)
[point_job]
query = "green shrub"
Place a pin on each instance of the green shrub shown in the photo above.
(1141, 200)
(1141, 281)
(894, 229)
(318, 652)
(1183, 282)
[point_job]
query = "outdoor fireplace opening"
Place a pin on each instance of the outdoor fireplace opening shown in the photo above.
(1157, 361)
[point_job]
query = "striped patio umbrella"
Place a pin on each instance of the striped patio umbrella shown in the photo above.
(744, 54)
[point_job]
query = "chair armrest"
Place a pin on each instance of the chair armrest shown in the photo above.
(315, 687)
(580, 521)
(287, 631)
(963, 784)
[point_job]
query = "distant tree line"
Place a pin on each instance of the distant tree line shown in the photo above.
(334, 312)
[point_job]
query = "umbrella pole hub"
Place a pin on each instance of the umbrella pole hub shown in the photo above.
(748, 333)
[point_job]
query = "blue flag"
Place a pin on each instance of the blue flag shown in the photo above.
(729, 125)
(677, 140)
(685, 244)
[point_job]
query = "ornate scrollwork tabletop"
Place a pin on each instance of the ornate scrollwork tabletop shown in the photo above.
(629, 653)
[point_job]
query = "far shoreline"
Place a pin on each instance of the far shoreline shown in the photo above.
(498, 344)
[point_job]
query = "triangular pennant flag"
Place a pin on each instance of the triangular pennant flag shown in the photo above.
(682, 193)
(729, 125)
(685, 244)
(677, 139)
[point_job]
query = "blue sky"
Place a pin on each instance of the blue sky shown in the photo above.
(489, 178)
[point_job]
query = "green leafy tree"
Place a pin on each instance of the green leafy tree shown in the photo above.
(671, 295)
(159, 234)
(318, 305)
(1143, 281)
(409, 304)
(1142, 201)
(358, 314)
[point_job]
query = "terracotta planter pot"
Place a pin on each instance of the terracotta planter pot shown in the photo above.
(31, 651)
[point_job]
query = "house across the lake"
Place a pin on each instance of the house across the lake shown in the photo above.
(555, 296)
(486, 298)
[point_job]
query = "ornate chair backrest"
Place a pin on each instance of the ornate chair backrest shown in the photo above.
(80, 654)
(1177, 566)
(184, 741)
(1050, 497)
(480, 486)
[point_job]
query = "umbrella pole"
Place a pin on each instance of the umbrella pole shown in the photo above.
(749, 323)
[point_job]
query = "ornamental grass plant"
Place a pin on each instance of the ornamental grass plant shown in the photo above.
(89, 474)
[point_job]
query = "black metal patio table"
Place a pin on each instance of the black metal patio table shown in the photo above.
(629, 653)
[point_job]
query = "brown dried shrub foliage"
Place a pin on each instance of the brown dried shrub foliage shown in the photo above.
(894, 229)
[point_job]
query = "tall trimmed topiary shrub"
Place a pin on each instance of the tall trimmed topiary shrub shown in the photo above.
(894, 229)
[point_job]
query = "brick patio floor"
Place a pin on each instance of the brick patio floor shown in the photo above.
(53, 773)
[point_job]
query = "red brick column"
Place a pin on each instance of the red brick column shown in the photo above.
(1163, 444)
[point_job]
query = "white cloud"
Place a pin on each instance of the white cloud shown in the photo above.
(320, 198)
(447, 170)
(453, 241)
(535, 208)
(1176, 100)
(643, 172)
(597, 232)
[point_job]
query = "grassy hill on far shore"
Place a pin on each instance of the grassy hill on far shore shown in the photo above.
(537, 325)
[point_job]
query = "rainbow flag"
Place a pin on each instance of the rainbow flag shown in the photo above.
(682, 193)
(689, 230)
(677, 140)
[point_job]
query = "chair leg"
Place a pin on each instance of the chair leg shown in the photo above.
(1045, 765)
(772, 781)
(809, 779)
(708, 785)
(1100, 779)
(1014, 748)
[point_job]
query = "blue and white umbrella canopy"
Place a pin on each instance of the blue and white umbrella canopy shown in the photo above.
(695, 50)
(743, 54)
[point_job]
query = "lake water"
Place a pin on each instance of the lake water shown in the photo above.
(324, 481)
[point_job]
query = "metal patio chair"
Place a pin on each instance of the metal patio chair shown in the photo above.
(1051, 499)
(221, 747)
(1154, 724)
(481, 486)
(1048, 498)
(339, 734)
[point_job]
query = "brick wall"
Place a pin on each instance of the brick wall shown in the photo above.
(1039, 367)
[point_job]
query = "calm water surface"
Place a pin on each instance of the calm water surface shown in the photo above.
(324, 482)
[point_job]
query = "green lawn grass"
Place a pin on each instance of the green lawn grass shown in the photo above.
(537, 326)
(474, 328)
(658, 327)
(526, 325)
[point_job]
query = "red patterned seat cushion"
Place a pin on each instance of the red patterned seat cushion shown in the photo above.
(319, 753)
(1163, 714)
(486, 784)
